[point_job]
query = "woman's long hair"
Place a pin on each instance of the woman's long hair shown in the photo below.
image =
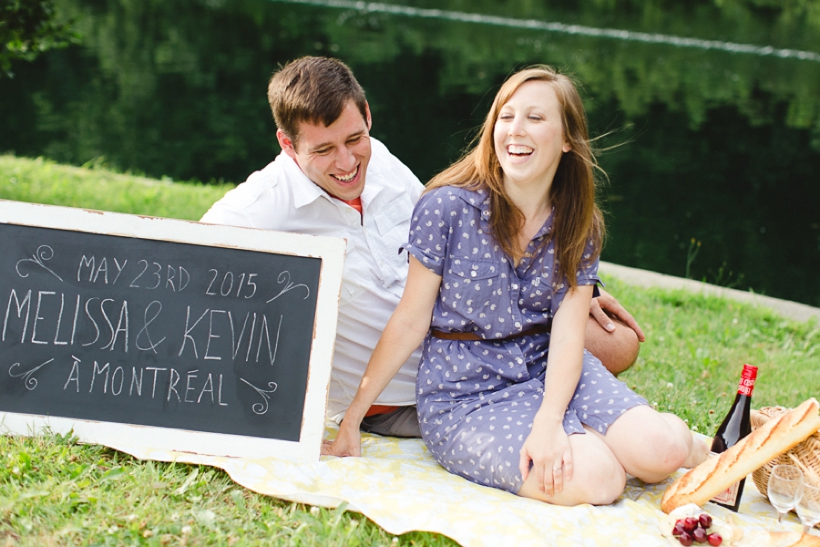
(572, 193)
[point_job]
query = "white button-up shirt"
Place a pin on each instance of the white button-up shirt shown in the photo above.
(281, 197)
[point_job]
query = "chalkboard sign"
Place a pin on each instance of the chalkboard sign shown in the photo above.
(170, 334)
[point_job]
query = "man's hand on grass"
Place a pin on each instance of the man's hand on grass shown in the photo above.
(348, 442)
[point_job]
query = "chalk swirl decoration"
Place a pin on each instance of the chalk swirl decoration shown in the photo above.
(284, 279)
(43, 254)
(261, 408)
(30, 381)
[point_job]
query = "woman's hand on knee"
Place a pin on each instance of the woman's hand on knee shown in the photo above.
(548, 456)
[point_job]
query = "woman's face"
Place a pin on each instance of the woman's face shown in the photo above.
(529, 135)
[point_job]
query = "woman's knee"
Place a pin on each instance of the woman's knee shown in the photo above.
(598, 478)
(668, 448)
(676, 441)
(600, 485)
(650, 445)
(605, 483)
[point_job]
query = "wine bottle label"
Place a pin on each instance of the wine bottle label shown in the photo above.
(728, 496)
(747, 380)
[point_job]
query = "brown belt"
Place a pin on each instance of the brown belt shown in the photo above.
(537, 329)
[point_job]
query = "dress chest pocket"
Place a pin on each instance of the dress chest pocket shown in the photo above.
(472, 290)
(476, 283)
(472, 269)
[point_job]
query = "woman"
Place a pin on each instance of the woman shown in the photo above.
(504, 250)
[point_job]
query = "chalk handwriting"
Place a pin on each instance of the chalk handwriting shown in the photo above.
(151, 345)
(95, 269)
(43, 254)
(227, 284)
(176, 278)
(74, 375)
(145, 267)
(200, 332)
(188, 387)
(100, 322)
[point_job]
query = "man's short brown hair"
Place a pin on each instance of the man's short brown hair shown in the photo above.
(312, 90)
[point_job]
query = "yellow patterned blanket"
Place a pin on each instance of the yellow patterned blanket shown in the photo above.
(399, 486)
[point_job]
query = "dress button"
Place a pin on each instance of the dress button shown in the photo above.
(515, 286)
(517, 325)
(473, 274)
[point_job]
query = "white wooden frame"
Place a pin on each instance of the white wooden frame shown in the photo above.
(330, 250)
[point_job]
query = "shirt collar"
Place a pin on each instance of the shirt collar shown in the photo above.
(480, 199)
(304, 190)
(547, 227)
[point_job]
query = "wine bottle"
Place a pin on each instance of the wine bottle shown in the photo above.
(734, 427)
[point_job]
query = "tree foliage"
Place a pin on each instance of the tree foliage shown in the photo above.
(28, 28)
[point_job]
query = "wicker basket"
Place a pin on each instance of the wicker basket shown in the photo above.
(805, 455)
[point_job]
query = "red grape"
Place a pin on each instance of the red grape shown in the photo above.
(705, 521)
(685, 539)
(678, 528)
(715, 539)
(699, 535)
(690, 523)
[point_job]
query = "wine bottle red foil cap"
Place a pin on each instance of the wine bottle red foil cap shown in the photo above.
(747, 380)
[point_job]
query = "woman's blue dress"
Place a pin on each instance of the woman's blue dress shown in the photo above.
(477, 399)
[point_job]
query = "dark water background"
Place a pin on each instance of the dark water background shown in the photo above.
(715, 177)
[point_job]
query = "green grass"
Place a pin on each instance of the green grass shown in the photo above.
(54, 491)
(696, 347)
(43, 181)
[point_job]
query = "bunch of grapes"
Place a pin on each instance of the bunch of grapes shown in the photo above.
(691, 529)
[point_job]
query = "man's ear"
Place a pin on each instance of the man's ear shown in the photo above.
(286, 144)
(368, 119)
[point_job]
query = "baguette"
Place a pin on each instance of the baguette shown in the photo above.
(792, 539)
(717, 473)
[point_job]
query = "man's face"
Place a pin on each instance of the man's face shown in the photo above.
(334, 157)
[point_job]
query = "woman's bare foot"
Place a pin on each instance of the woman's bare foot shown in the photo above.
(698, 453)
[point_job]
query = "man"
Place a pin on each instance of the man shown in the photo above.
(333, 179)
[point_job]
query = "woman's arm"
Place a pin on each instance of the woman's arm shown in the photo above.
(404, 332)
(547, 445)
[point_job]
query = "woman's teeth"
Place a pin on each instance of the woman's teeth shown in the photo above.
(518, 150)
